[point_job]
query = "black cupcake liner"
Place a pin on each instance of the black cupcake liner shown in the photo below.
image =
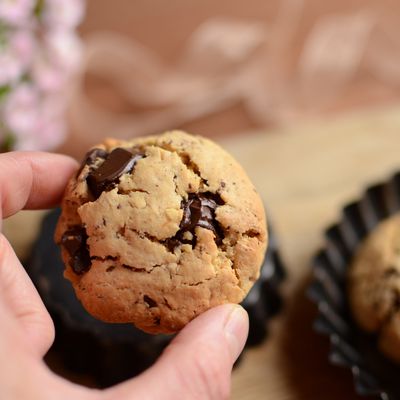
(104, 354)
(350, 347)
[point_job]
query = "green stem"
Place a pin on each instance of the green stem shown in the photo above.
(7, 144)
(38, 8)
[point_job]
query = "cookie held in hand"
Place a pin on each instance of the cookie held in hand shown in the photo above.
(156, 230)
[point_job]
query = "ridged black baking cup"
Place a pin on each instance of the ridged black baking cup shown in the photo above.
(104, 354)
(374, 375)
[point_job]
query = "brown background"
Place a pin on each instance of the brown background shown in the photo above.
(164, 27)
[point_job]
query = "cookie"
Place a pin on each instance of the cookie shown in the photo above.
(156, 230)
(374, 286)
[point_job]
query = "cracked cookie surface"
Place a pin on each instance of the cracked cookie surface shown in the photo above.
(374, 286)
(156, 230)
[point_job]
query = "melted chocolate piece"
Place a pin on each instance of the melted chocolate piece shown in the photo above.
(198, 210)
(117, 163)
(74, 241)
(91, 156)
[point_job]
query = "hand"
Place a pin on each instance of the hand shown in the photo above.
(196, 365)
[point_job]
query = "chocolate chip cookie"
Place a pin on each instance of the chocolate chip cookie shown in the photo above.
(156, 230)
(374, 286)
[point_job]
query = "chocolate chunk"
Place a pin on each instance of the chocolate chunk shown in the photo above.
(172, 242)
(198, 210)
(91, 157)
(117, 163)
(149, 301)
(74, 241)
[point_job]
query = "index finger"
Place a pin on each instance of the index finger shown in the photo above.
(32, 180)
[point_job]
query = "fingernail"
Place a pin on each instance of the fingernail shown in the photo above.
(236, 329)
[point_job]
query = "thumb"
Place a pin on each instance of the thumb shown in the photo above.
(198, 362)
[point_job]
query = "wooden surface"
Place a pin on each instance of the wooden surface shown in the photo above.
(304, 174)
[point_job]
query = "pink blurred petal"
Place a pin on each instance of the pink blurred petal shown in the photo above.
(11, 69)
(22, 45)
(61, 14)
(16, 56)
(21, 109)
(16, 12)
(46, 76)
(64, 49)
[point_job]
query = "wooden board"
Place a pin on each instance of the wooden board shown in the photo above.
(305, 174)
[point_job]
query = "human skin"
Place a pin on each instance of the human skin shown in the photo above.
(196, 365)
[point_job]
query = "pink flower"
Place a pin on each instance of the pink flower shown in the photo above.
(48, 77)
(20, 109)
(37, 123)
(16, 56)
(46, 51)
(64, 49)
(57, 60)
(16, 12)
(49, 133)
(22, 45)
(45, 135)
(63, 14)
(49, 128)
(10, 70)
